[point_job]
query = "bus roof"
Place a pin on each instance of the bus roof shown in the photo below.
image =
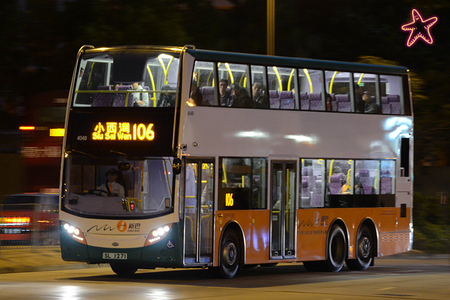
(258, 59)
(294, 62)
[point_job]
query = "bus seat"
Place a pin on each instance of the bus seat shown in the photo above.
(208, 94)
(307, 171)
(385, 106)
(335, 184)
(305, 188)
(394, 101)
(315, 97)
(366, 181)
(304, 101)
(316, 199)
(119, 100)
(102, 99)
(274, 99)
(386, 185)
(343, 103)
(315, 105)
(275, 103)
(367, 185)
(306, 194)
(287, 100)
(273, 94)
(364, 173)
(315, 101)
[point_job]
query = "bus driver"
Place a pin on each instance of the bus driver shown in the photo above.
(112, 187)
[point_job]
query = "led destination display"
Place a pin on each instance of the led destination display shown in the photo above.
(134, 132)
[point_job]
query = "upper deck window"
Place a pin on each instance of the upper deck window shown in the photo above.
(279, 87)
(126, 79)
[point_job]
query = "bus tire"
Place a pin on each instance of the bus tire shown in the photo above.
(364, 250)
(123, 269)
(337, 249)
(230, 255)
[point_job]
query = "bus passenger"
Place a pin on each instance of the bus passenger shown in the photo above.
(112, 187)
(166, 99)
(328, 102)
(240, 95)
(259, 99)
(226, 99)
(359, 103)
(370, 105)
(140, 99)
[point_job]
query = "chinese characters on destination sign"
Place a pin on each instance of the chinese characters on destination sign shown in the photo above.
(123, 131)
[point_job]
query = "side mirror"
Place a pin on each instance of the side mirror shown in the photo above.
(176, 166)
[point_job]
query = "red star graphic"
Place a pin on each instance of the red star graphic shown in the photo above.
(419, 28)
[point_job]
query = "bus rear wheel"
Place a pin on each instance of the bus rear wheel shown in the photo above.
(337, 249)
(123, 269)
(364, 253)
(230, 255)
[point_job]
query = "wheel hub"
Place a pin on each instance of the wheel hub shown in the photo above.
(230, 254)
(364, 247)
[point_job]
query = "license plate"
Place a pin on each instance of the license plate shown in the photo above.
(110, 255)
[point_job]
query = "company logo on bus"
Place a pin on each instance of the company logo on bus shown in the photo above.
(122, 226)
(123, 131)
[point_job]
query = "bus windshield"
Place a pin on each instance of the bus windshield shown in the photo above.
(113, 78)
(122, 188)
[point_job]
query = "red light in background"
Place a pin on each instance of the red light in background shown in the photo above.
(27, 128)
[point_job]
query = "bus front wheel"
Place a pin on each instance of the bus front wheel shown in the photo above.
(364, 253)
(230, 255)
(337, 249)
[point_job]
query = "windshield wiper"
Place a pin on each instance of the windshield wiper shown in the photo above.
(83, 153)
(117, 152)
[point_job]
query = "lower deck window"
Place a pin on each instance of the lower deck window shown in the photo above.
(242, 183)
(347, 183)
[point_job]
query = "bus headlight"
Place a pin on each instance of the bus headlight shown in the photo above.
(74, 232)
(158, 234)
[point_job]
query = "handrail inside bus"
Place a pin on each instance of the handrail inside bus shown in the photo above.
(165, 70)
(207, 81)
(375, 180)
(90, 72)
(290, 79)
(153, 84)
(360, 79)
(229, 72)
(331, 171)
(332, 81)
(309, 80)
(280, 84)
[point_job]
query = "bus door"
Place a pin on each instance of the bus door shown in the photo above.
(198, 211)
(283, 209)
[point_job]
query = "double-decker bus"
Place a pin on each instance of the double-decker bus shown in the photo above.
(234, 160)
